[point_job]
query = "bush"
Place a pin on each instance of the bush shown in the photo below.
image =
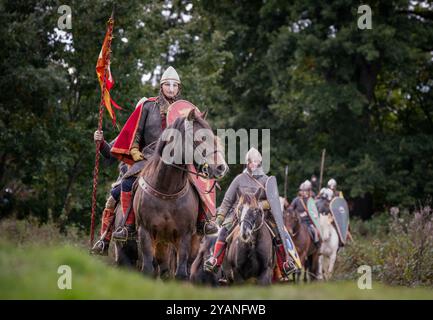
(402, 255)
(32, 231)
(376, 227)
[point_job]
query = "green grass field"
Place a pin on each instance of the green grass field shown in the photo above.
(30, 272)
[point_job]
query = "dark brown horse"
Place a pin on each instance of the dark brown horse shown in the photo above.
(250, 252)
(167, 205)
(308, 252)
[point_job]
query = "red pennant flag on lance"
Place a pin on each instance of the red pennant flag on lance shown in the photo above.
(103, 72)
(106, 82)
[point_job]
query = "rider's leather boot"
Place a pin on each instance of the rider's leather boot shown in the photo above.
(123, 232)
(102, 245)
(287, 267)
(216, 259)
(205, 226)
(314, 235)
(107, 224)
(316, 239)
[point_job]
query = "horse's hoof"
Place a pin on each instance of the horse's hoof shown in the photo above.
(182, 277)
(165, 275)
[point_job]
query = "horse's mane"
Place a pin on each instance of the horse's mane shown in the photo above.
(250, 199)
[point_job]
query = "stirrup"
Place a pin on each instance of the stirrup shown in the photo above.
(289, 267)
(210, 265)
(97, 250)
(120, 229)
(213, 228)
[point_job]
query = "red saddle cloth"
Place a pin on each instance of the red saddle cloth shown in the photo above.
(202, 185)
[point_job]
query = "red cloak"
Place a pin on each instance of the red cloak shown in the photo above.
(125, 139)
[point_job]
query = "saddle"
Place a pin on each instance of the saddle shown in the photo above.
(312, 231)
(139, 165)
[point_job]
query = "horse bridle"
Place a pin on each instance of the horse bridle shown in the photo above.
(298, 219)
(204, 175)
(204, 165)
(253, 224)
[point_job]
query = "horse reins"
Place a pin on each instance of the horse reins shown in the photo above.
(252, 225)
(215, 182)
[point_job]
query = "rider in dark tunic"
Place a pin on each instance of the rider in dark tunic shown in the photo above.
(146, 128)
(332, 193)
(299, 205)
(324, 198)
(309, 188)
(249, 181)
(332, 184)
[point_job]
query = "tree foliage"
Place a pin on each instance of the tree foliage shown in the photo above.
(301, 68)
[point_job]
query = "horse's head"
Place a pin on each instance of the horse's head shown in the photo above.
(198, 145)
(208, 153)
(291, 220)
(287, 217)
(251, 216)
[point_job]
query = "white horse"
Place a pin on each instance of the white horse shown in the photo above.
(328, 247)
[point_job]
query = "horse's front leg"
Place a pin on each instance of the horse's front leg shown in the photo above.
(195, 247)
(183, 250)
(321, 267)
(297, 276)
(162, 255)
(146, 246)
(265, 278)
(237, 277)
(330, 268)
(314, 266)
(307, 268)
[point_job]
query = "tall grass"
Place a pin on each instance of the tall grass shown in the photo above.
(32, 231)
(398, 246)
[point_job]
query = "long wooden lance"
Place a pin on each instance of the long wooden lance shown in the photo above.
(109, 32)
(322, 167)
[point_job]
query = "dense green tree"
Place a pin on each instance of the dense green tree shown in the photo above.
(49, 105)
(301, 68)
(304, 69)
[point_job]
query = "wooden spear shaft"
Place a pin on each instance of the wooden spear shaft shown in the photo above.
(98, 143)
(322, 166)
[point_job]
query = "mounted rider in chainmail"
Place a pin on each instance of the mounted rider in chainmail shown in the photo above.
(249, 181)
